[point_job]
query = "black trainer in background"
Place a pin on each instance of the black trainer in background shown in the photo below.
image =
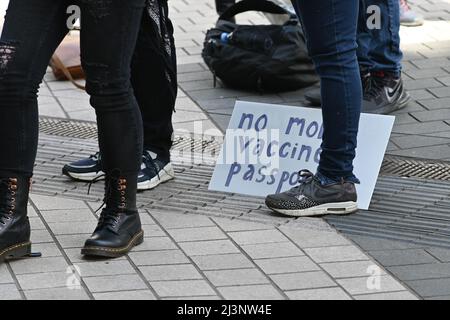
(313, 96)
(14, 224)
(311, 198)
(384, 94)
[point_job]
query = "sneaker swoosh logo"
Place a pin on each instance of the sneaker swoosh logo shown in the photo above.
(391, 92)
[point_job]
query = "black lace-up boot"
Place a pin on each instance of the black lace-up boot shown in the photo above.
(119, 226)
(14, 225)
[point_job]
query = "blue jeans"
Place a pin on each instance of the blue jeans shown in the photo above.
(330, 27)
(379, 49)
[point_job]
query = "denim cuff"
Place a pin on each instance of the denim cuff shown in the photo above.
(326, 181)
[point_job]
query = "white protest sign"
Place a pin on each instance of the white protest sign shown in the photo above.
(266, 145)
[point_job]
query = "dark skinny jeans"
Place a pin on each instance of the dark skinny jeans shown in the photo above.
(32, 31)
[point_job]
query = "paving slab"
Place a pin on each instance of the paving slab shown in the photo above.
(319, 294)
(254, 292)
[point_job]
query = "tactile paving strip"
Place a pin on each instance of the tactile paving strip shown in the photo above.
(402, 208)
(397, 166)
(408, 209)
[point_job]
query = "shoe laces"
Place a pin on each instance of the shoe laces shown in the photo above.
(8, 189)
(374, 85)
(95, 157)
(304, 177)
(151, 164)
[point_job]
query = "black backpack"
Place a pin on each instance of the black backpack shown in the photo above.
(270, 58)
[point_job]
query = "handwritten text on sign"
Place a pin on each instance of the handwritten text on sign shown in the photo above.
(266, 145)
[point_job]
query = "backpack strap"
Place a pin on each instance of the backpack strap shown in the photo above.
(253, 5)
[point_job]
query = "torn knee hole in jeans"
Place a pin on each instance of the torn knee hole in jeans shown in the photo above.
(98, 8)
(7, 52)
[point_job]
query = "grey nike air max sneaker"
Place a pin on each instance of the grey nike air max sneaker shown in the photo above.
(384, 94)
(311, 198)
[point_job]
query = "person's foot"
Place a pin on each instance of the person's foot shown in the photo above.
(311, 198)
(384, 94)
(314, 97)
(408, 17)
(119, 227)
(154, 171)
(88, 169)
(14, 224)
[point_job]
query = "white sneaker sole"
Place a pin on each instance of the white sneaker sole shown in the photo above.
(88, 177)
(338, 208)
(165, 175)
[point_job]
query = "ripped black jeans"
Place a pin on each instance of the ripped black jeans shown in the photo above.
(32, 31)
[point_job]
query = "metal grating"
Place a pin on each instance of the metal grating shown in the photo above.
(407, 209)
(188, 193)
(209, 147)
(205, 148)
(403, 208)
(408, 167)
(68, 128)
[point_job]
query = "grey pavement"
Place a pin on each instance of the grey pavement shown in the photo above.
(194, 257)
(207, 245)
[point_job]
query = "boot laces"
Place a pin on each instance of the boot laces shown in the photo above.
(114, 200)
(8, 189)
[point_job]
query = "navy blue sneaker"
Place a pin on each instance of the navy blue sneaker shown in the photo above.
(87, 169)
(154, 171)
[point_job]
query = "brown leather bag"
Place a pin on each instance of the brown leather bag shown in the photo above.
(66, 61)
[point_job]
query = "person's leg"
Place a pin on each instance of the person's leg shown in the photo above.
(108, 40)
(330, 27)
(154, 80)
(384, 50)
(385, 92)
(31, 32)
(364, 39)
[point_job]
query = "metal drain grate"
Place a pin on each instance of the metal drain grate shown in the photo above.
(425, 169)
(188, 193)
(68, 128)
(406, 209)
(206, 149)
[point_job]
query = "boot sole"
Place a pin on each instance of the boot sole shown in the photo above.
(338, 208)
(114, 252)
(16, 251)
